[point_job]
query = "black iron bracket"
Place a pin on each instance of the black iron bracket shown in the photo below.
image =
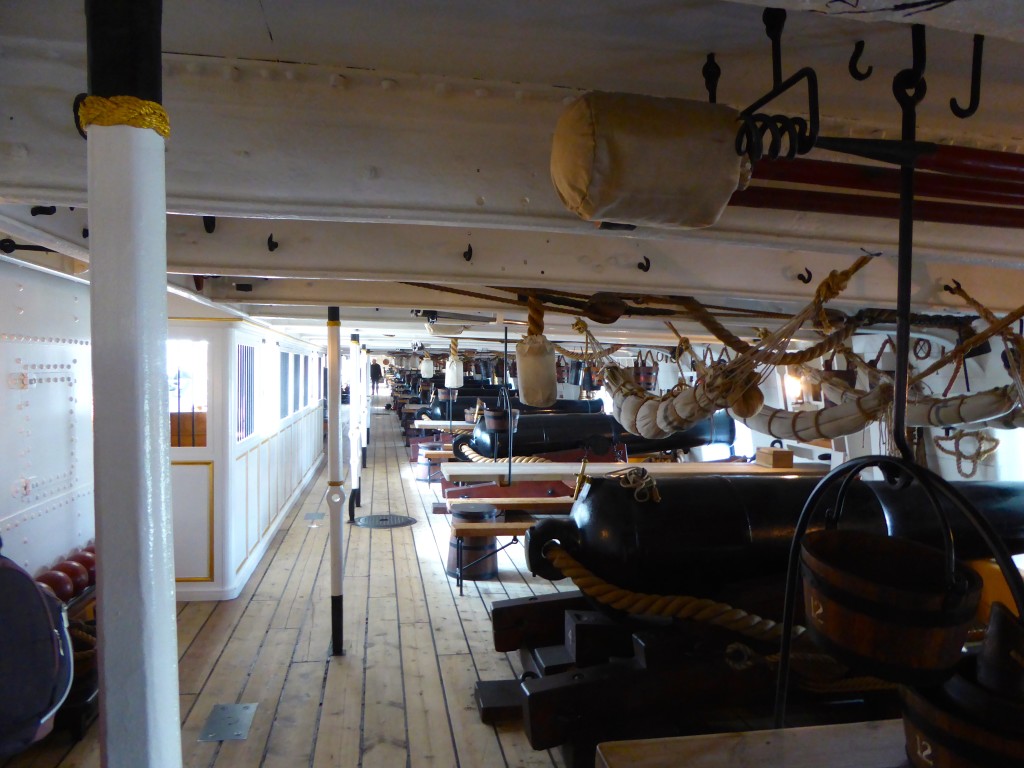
(797, 135)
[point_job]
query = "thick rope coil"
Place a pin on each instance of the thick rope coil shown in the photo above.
(587, 357)
(670, 606)
(1012, 342)
(123, 110)
(534, 316)
(475, 457)
(641, 482)
(836, 282)
(985, 447)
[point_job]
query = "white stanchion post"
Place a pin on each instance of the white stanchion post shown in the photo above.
(335, 489)
(354, 425)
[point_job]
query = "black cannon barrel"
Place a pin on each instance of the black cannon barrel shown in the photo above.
(710, 531)
(438, 409)
(598, 432)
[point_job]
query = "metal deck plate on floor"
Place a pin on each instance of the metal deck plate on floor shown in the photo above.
(228, 722)
(314, 516)
(384, 521)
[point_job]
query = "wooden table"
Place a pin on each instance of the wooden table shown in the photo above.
(460, 471)
(552, 505)
(877, 744)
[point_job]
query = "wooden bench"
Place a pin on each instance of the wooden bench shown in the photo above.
(437, 454)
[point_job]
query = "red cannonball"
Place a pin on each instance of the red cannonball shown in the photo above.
(88, 559)
(61, 584)
(46, 588)
(89, 548)
(78, 573)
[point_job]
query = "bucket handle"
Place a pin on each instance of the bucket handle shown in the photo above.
(896, 470)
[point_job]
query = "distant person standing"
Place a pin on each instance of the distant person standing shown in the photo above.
(375, 375)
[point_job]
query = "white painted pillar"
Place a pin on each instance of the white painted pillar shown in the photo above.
(335, 491)
(364, 377)
(354, 420)
(138, 651)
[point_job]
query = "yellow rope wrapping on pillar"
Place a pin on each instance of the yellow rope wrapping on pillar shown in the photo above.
(123, 110)
(671, 606)
(453, 350)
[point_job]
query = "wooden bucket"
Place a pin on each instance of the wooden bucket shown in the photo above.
(497, 421)
(885, 605)
(474, 547)
(940, 735)
(424, 467)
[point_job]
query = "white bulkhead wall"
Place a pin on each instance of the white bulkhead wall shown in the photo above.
(231, 496)
(46, 464)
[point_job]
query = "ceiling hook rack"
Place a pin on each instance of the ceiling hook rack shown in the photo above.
(855, 71)
(711, 72)
(976, 59)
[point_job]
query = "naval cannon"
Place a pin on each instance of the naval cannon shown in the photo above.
(594, 433)
(593, 672)
(710, 532)
(437, 409)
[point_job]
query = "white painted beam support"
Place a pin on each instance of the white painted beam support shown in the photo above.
(138, 649)
(364, 432)
(355, 442)
(335, 490)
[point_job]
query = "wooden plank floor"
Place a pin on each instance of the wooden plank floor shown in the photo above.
(402, 695)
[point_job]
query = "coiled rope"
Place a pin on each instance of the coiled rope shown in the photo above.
(475, 457)
(122, 110)
(670, 606)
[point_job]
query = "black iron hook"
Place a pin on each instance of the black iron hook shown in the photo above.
(855, 71)
(952, 288)
(805, 277)
(9, 246)
(645, 265)
(468, 253)
(909, 86)
(209, 224)
(961, 112)
(272, 244)
(711, 72)
(43, 210)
